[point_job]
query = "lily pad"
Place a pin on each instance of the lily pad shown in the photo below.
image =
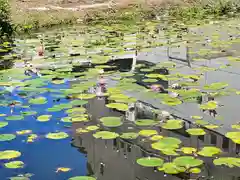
(150, 162)
(210, 105)
(171, 168)
(227, 161)
(14, 164)
(166, 143)
(195, 170)
(171, 101)
(3, 124)
(14, 118)
(82, 178)
(38, 100)
(111, 121)
(9, 154)
(92, 128)
(188, 150)
(156, 137)
(209, 151)
(118, 106)
(58, 135)
(129, 135)
(196, 132)
(29, 113)
(7, 137)
(187, 162)
(147, 132)
(173, 124)
(145, 122)
(44, 118)
(215, 86)
(86, 96)
(105, 135)
(234, 136)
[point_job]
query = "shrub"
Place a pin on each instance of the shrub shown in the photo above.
(6, 28)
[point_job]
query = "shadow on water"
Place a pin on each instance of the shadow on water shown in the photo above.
(116, 159)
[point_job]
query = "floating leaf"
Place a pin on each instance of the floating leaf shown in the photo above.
(173, 124)
(145, 122)
(7, 137)
(66, 119)
(3, 124)
(215, 86)
(118, 106)
(195, 170)
(63, 169)
(14, 164)
(171, 168)
(236, 126)
(14, 118)
(22, 132)
(9, 154)
(188, 150)
(171, 101)
(129, 135)
(150, 162)
(78, 102)
(196, 132)
(211, 126)
(187, 162)
(29, 113)
(38, 100)
(111, 121)
(210, 105)
(92, 128)
(105, 135)
(147, 132)
(82, 178)
(234, 136)
(58, 135)
(86, 96)
(166, 143)
(156, 137)
(44, 118)
(227, 161)
(209, 151)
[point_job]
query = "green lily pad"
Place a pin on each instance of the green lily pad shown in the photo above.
(187, 162)
(166, 143)
(211, 126)
(234, 136)
(169, 152)
(236, 126)
(150, 162)
(147, 132)
(86, 96)
(14, 118)
(38, 100)
(156, 137)
(66, 119)
(9, 154)
(7, 137)
(209, 151)
(210, 105)
(129, 135)
(22, 177)
(227, 161)
(82, 178)
(44, 118)
(111, 121)
(105, 135)
(3, 124)
(173, 124)
(29, 113)
(78, 102)
(58, 135)
(80, 119)
(145, 122)
(118, 106)
(149, 80)
(14, 164)
(188, 150)
(171, 101)
(92, 128)
(215, 86)
(196, 132)
(171, 168)
(195, 170)
(76, 110)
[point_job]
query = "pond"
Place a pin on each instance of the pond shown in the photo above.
(146, 101)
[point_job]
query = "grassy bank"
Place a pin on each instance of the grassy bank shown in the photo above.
(184, 10)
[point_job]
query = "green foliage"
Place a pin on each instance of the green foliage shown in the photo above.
(6, 28)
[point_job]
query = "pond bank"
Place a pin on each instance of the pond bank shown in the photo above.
(30, 16)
